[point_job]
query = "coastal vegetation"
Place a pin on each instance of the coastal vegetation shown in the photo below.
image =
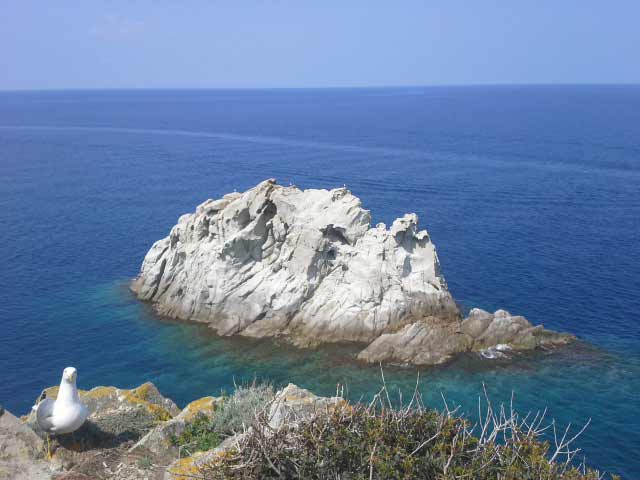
(235, 413)
(383, 439)
(256, 432)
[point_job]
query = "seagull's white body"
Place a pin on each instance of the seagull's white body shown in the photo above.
(66, 413)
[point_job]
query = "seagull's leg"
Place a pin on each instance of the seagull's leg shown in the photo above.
(49, 456)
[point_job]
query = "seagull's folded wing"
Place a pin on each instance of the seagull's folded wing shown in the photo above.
(44, 412)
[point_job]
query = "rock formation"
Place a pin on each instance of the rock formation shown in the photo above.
(130, 435)
(127, 437)
(307, 265)
(430, 340)
(118, 415)
(21, 451)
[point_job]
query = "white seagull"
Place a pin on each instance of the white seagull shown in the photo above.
(66, 413)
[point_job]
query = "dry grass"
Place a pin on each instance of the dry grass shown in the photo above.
(381, 440)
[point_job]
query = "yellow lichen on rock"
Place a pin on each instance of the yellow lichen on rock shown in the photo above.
(184, 468)
(191, 467)
(204, 405)
(106, 398)
(95, 393)
(139, 396)
(143, 390)
(98, 392)
(52, 392)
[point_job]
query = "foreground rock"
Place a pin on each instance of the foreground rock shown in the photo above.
(21, 451)
(130, 435)
(307, 266)
(293, 404)
(101, 447)
(117, 415)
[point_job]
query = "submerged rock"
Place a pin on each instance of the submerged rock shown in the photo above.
(430, 341)
(307, 265)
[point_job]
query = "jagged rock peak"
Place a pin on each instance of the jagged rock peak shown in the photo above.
(303, 264)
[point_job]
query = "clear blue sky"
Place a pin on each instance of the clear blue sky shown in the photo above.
(189, 43)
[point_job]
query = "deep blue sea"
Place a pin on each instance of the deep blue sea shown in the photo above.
(531, 195)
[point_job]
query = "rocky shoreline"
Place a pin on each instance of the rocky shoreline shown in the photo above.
(307, 266)
(131, 434)
(256, 433)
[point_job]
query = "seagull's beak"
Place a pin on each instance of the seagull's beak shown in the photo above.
(70, 375)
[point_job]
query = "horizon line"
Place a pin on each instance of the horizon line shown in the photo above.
(330, 87)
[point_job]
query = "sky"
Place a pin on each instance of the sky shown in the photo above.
(67, 44)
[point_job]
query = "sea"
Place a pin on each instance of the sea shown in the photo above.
(530, 193)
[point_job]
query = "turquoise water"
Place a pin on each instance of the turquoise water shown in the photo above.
(530, 194)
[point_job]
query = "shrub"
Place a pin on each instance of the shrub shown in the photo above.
(145, 463)
(236, 413)
(378, 441)
(199, 435)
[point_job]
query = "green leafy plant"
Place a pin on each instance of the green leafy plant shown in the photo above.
(198, 435)
(145, 463)
(236, 413)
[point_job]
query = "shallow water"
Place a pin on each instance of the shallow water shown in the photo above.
(530, 194)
